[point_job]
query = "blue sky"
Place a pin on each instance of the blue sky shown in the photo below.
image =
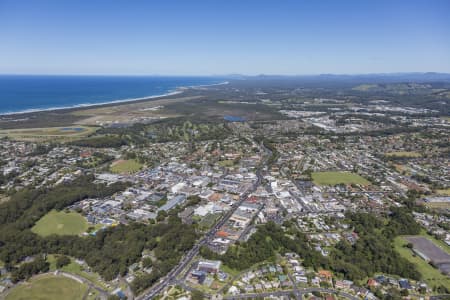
(183, 37)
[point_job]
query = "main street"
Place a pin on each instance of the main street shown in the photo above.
(185, 261)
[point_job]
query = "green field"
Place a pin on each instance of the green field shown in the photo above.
(409, 154)
(226, 163)
(365, 87)
(438, 205)
(60, 223)
(433, 277)
(445, 192)
(125, 166)
(48, 288)
(50, 133)
(334, 178)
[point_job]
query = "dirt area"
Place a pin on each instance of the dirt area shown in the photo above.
(129, 112)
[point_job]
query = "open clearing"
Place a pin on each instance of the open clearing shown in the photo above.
(50, 133)
(153, 109)
(365, 87)
(60, 223)
(409, 154)
(438, 205)
(125, 166)
(334, 178)
(445, 192)
(48, 288)
(226, 163)
(433, 277)
(3, 198)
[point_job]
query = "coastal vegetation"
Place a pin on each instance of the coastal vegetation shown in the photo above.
(101, 141)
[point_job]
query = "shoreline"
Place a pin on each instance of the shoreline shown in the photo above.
(179, 90)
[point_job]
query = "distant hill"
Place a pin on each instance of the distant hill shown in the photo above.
(369, 78)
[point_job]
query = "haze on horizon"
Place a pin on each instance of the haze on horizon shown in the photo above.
(221, 37)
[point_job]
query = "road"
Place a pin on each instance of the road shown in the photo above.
(298, 293)
(172, 275)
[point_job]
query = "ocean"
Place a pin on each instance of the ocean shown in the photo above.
(26, 93)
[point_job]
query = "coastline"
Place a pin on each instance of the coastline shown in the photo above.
(177, 91)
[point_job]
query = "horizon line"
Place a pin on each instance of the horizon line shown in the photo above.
(224, 75)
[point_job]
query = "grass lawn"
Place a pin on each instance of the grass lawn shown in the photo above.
(433, 277)
(400, 168)
(445, 192)
(438, 205)
(60, 223)
(226, 163)
(230, 271)
(334, 178)
(125, 166)
(365, 87)
(49, 288)
(403, 154)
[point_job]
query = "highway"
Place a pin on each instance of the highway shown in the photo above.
(185, 261)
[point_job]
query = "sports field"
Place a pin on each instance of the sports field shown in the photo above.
(125, 166)
(60, 223)
(48, 288)
(334, 178)
(410, 154)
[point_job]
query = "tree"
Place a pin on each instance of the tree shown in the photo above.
(62, 261)
(197, 295)
(147, 263)
(162, 214)
(26, 270)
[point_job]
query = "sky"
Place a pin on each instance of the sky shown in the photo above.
(212, 37)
